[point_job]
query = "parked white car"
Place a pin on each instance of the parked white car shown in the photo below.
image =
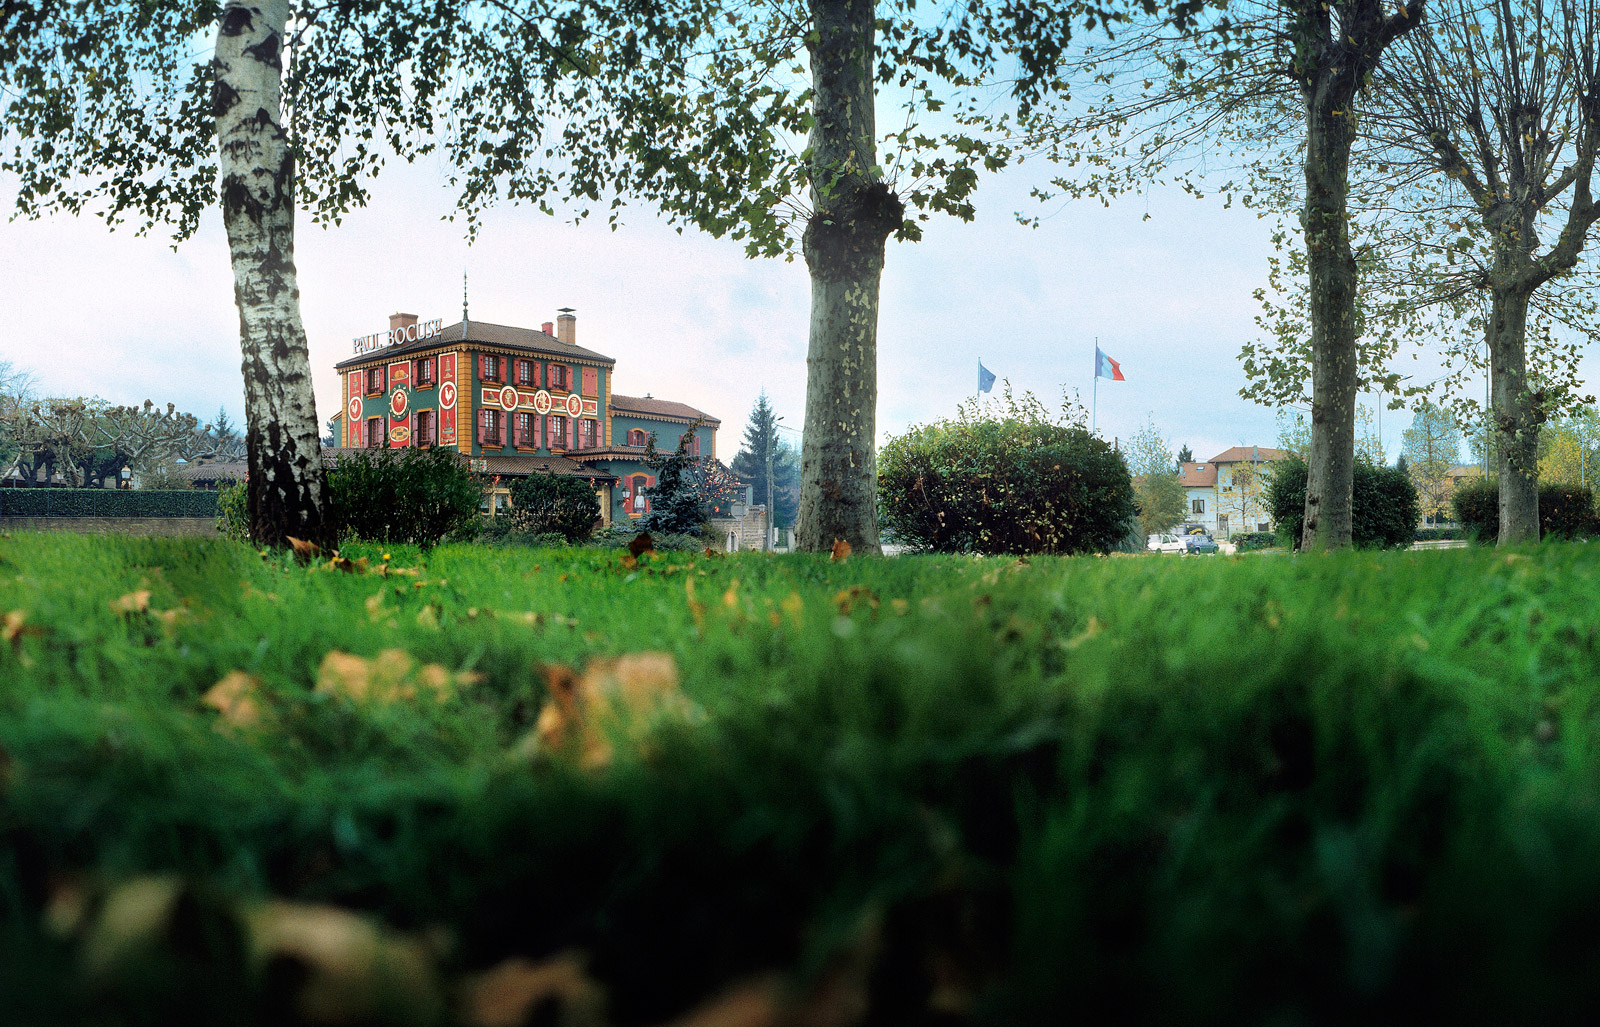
(1166, 544)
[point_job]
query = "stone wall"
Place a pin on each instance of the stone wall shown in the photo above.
(191, 527)
(749, 530)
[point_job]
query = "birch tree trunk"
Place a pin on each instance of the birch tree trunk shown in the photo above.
(854, 215)
(1516, 418)
(287, 483)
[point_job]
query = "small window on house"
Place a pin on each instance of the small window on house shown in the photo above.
(376, 436)
(423, 436)
(525, 438)
(558, 433)
(636, 437)
(1198, 506)
(524, 372)
(490, 369)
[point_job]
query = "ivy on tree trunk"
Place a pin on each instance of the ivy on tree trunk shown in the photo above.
(854, 215)
(287, 485)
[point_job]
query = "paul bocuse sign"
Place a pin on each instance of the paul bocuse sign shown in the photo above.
(395, 336)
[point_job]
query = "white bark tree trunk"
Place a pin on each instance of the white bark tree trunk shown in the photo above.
(288, 485)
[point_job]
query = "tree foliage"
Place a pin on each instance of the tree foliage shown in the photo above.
(762, 446)
(1432, 447)
(1159, 494)
(688, 490)
(1384, 504)
(1006, 478)
(554, 504)
(1566, 511)
(88, 441)
(412, 495)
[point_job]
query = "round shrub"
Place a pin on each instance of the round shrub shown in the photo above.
(411, 495)
(1004, 481)
(551, 504)
(1383, 505)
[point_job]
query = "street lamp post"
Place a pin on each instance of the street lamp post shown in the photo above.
(772, 438)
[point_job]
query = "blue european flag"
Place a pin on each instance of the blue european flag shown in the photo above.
(985, 378)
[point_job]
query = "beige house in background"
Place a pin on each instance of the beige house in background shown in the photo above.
(1227, 493)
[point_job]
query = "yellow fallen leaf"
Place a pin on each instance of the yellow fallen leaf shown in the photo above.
(134, 602)
(507, 994)
(626, 693)
(841, 551)
(304, 551)
(237, 698)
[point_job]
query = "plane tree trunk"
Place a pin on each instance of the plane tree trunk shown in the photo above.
(854, 215)
(287, 483)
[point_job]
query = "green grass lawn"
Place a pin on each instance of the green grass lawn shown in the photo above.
(1356, 788)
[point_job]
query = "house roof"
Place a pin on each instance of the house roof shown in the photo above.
(1249, 454)
(607, 453)
(662, 408)
(219, 471)
(560, 465)
(484, 334)
(1198, 476)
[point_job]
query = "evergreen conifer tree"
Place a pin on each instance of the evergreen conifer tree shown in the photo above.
(760, 434)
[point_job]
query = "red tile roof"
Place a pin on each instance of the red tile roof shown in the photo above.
(1198, 476)
(666, 408)
(484, 334)
(1249, 454)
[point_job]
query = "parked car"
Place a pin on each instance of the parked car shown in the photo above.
(1166, 543)
(1200, 543)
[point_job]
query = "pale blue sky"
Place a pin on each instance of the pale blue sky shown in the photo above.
(688, 317)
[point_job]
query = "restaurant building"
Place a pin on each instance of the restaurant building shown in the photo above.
(515, 401)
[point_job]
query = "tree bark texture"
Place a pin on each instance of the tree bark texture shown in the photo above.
(1336, 48)
(287, 484)
(1517, 416)
(854, 215)
(1330, 131)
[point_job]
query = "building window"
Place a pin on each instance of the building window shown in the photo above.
(489, 429)
(558, 377)
(1198, 506)
(693, 446)
(489, 369)
(425, 369)
(525, 373)
(374, 380)
(377, 438)
(424, 435)
(524, 429)
(636, 437)
(587, 432)
(558, 433)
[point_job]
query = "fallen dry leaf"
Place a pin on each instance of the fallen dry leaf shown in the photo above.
(641, 543)
(351, 969)
(753, 1003)
(508, 994)
(134, 602)
(841, 551)
(304, 551)
(626, 693)
(391, 676)
(237, 698)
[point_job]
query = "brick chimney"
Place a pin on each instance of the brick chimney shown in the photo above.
(549, 328)
(567, 326)
(401, 321)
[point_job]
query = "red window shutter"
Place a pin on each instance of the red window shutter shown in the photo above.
(589, 380)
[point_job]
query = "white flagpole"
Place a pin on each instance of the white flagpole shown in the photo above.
(1094, 409)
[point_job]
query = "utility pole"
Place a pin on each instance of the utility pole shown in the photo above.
(772, 439)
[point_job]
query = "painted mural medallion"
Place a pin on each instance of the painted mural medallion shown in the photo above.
(355, 409)
(398, 403)
(399, 433)
(541, 402)
(508, 397)
(447, 395)
(575, 405)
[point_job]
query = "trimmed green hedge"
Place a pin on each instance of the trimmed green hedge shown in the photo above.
(1565, 511)
(1383, 512)
(106, 503)
(1438, 534)
(1246, 541)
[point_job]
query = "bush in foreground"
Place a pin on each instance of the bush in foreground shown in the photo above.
(1383, 505)
(553, 504)
(1005, 480)
(421, 496)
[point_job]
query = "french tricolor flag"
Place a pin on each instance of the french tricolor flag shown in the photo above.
(1105, 367)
